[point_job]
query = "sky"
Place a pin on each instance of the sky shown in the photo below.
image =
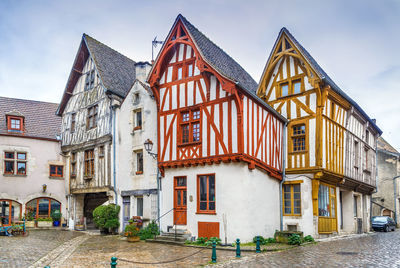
(355, 42)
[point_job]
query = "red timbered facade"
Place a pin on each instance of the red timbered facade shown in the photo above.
(205, 116)
(216, 138)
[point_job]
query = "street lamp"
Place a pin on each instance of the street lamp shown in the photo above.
(148, 145)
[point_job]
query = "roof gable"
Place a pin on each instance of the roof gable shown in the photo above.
(213, 55)
(322, 75)
(116, 71)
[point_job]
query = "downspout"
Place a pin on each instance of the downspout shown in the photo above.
(283, 174)
(114, 107)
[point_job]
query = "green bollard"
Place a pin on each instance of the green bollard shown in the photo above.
(214, 252)
(258, 249)
(238, 248)
(113, 262)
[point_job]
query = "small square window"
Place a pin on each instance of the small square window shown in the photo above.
(14, 123)
(296, 87)
(56, 171)
(284, 90)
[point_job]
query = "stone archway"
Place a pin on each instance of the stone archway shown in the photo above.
(92, 201)
(386, 212)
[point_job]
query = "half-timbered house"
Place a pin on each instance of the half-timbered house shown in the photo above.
(103, 132)
(331, 141)
(219, 145)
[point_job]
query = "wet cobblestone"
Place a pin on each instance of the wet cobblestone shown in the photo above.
(20, 251)
(377, 250)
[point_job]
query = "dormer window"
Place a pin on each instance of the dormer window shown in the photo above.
(15, 123)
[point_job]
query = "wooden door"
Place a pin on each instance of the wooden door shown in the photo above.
(180, 200)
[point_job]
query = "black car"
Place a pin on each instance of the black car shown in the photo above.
(383, 223)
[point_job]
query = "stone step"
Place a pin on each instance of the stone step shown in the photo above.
(162, 241)
(171, 238)
(173, 234)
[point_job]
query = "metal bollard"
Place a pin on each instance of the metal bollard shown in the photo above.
(113, 262)
(238, 248)
(214, 252)
(258, 249)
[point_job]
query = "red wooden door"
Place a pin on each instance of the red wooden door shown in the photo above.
(180, 200)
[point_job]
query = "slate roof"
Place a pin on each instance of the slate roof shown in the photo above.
(41, 120)
(325, 77)
(219, 59)
(117, 72)
(384, 145)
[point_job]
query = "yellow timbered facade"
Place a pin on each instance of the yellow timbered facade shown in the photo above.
(330, 143)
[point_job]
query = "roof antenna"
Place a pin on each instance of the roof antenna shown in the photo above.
(154, 44)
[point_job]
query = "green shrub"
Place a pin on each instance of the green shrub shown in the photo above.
(271, 240)
(44, 219)
(56, 215)
(106, 216)
(212, 239)
(201, 240)
(308, 238)
(149, 231)
(294, 239)
(263, 241)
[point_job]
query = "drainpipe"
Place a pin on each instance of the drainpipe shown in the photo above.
(114, 107)
(283, 173)
(394, 194)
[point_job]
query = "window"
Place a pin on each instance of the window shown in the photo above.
(367, 136)
(138, 119)
(56, 171)
(190, 126)
(139, 162)
(10, 211)
(366, 158)
(73, 164)
(15, 163)
(299, 138)
(139, 205)
(101, 151)
(355, 206)
(297, 87)
(73, 120)
(326, 201)
(180, 73)
(15, 123)
(189, 70)
(356, 154)
(41, 208)
(91, 120)
(89, 163)
(292, 199)
(89, 82)
(284, 90)
(136, 98)
(206, 194)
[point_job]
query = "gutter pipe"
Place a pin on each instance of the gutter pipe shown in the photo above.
(283, 174)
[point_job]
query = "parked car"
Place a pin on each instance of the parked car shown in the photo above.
(383, 223)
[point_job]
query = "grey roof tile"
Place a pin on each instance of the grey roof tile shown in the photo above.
(117, 71)
(41, 120)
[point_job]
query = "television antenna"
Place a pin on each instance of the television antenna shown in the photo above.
(154, 44)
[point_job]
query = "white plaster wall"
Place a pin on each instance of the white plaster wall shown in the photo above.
(40, 154)
(128, 141)
(249, 199)
(305, 221)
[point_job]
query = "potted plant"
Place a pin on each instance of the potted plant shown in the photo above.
(56, 216)
(29, 218)
(106, 218)
(132, 233)
(44, 222)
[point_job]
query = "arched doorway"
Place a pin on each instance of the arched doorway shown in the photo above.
(10, 211)
(41, 207)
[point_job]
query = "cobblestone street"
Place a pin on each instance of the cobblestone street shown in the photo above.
(76, 249)
(376, 250)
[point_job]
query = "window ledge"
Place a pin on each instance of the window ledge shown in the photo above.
(299, 152)
(139, 173)
(206, 212)
(88, 177)
(367, 171)
(189, 144)
(15, 175)
(56, 178)
(137, 128)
